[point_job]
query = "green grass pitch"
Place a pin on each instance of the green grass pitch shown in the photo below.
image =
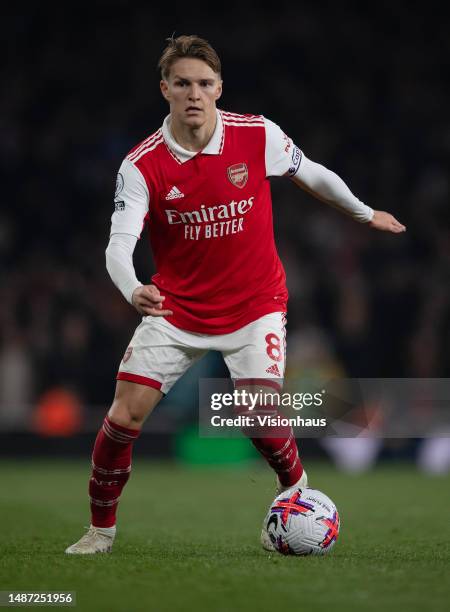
(189, 540)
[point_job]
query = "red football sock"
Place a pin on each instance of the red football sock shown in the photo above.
(111, 467)
(282, 455)
(275, 443)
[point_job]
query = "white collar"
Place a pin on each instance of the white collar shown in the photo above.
(214, 146)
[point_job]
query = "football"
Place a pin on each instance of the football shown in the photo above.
(302, 522)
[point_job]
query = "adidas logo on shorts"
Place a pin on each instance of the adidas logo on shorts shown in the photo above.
(273, 370)
(174, 193)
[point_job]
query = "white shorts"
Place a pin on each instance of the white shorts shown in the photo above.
(159, 353)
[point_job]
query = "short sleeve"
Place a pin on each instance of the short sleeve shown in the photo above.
(131, 201)
(282, 155)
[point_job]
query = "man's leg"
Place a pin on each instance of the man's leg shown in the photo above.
(157, 356)
(111, 459)
(256, 356)
(111, 462)
(276, 444)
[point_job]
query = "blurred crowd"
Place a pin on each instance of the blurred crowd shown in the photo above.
(363, 93)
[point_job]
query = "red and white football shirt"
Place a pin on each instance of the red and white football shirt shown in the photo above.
(209, 217)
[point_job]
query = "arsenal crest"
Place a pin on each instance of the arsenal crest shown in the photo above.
(238, 174)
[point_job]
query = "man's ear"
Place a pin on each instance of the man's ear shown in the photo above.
(219, 90)
(165, 89)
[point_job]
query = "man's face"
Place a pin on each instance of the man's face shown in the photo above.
(192, 89)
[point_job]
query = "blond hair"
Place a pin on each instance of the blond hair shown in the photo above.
(188, 46)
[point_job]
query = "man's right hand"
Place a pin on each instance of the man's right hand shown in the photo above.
(149, 302)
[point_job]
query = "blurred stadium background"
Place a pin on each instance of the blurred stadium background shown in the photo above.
(362, 89)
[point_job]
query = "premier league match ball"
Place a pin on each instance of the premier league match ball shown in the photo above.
(302, 522)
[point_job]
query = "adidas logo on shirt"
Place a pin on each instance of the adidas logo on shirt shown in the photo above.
(174, 193)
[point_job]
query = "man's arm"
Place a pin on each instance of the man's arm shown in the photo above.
(119, 262)
(283, 158)
(328, 187)
(131, 207)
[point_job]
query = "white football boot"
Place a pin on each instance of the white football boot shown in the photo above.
(266, 542)
(94, 541)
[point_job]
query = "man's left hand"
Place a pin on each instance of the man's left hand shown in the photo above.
(386, 222)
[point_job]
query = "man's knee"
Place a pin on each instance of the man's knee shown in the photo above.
(132, 404)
